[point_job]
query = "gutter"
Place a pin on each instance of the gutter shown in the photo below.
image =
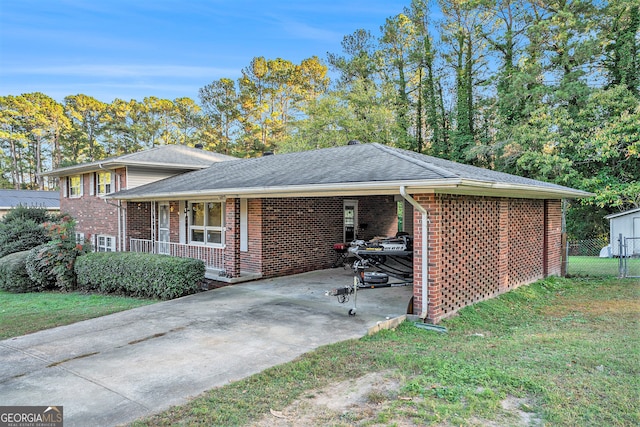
(445, 186)
(425, 251)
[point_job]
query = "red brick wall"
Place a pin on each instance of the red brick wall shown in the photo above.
(553, 212)
(139, 221)
(251, 260)
(232, 259)
(174, 221)
(297, 234)
(526, 241)
(93, 215)
(481, 246)
(380, 215)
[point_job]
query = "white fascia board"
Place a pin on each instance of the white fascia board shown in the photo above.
(111, 165)
(520, 191)
(445, 186)
(320, 190)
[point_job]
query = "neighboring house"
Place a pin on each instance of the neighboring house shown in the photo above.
(49, 200)
(477, 233)
(626, 225)
(83, 188)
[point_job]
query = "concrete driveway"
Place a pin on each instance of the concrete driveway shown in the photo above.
(117, 368)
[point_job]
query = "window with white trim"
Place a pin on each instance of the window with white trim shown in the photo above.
(75, 186)
(103, 183)
(206, 223)
(105, 243)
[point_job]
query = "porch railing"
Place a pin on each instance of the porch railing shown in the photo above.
(212, 257)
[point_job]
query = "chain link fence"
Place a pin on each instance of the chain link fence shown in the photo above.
(584, 258)
(597, 258)
(630, 261)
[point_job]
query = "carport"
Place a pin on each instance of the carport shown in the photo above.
(477, 233)
(114, 369)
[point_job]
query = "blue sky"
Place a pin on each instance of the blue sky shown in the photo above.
(131, 49)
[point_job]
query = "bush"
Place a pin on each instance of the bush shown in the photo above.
(23, 213)
(13, 273)
(20, 229)
(38, 272)
(51, 265)
(21, 235)
(140, 275)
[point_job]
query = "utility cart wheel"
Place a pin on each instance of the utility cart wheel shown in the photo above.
(352, 312)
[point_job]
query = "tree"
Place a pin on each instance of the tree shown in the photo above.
(465, 53)
(13, 135)
(397, 41)
(429, 102)
(220, 103)
(86, 115)
(621, 28)
(187, 120)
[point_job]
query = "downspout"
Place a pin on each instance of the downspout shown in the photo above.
(425, 251)
(116, 185)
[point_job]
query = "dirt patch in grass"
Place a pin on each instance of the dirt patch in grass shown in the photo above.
(364, 400)
(342, 403)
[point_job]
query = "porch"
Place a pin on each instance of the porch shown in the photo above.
(213, 258)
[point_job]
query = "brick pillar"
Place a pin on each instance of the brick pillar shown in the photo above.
(553, 238)
(434, 285)
(503, 245)
(232, 238)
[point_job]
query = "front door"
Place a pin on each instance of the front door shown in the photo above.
(163, 228)
(350, 215)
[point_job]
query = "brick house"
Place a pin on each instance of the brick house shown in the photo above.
(83, 188)
(477, 233)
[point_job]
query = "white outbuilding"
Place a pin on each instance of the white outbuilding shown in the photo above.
(627, 225)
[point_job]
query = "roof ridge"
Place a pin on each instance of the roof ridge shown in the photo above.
(154, 148)
(430, 166)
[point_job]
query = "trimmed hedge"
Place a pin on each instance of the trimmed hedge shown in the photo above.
(13, 273)
(138, 274)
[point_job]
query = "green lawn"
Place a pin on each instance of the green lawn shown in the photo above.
(25, 313)
(592, 266)
(562, 352)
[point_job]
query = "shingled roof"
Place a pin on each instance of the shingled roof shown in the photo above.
(165, 156)
(29, 198)
(347, 170)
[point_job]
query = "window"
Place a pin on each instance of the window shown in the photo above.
(206, 223)
(75, 186)
(103, 183)
(106, 244)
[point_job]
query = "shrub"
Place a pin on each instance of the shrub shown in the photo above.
(141, 275)
(21, 235)
(13, 273)
(20, 229)
(23, 213)
(51, 265)
(38, 271)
